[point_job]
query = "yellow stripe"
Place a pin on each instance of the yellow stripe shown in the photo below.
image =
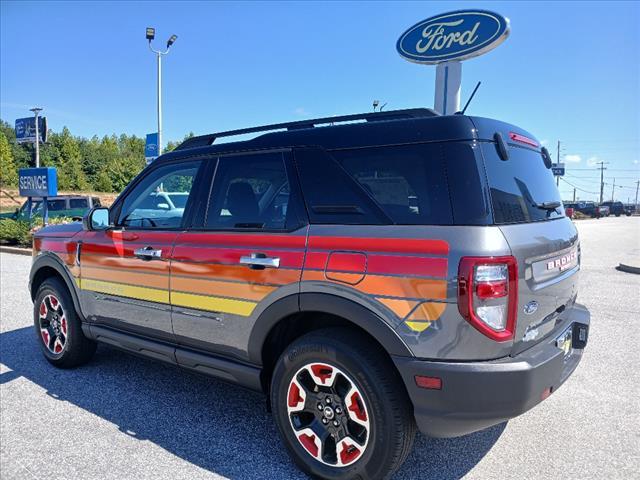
(121, 290)
(213, 304)
(418, 326)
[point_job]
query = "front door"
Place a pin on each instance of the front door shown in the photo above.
(246, 254)
(124, 271)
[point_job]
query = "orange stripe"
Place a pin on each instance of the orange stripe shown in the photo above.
(236, 272)
(118, 263)
(127, 277)
(245, 291)
(394, 286)
(428, 311)
(400, 307)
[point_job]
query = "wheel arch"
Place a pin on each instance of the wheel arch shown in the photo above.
(296, 315)
(47, 266)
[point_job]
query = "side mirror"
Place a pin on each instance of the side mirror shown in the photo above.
(96, 219)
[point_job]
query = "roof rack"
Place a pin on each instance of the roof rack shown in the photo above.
(206, 140)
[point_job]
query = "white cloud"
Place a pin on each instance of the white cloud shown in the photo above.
(572, 158)
(301, 111)
(592, 161)
(544, 142)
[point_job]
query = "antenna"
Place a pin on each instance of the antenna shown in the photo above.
(470, 98)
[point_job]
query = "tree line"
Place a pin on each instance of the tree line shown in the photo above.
(104, 164)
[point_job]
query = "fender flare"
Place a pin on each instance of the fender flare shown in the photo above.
(52, 261)
(351, 311)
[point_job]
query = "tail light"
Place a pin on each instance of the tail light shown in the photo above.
(488, 295)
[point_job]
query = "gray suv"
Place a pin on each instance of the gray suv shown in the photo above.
(371, 274)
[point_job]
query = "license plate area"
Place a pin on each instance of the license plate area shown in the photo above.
(564, 341)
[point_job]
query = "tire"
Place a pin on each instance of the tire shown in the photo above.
(375, 417)
(58, 328)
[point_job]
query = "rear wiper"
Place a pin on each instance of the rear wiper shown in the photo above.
(548, 205)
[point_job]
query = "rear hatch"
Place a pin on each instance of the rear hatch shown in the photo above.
(528, 209)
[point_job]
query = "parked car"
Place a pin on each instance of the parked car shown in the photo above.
(59, 206)
(629, 209)
(604, 210)
(349, 268)
(587, 208)
(615, 208)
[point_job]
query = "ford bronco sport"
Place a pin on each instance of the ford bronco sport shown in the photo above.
(370, 273)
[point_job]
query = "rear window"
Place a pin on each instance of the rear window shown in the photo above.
(520, 186)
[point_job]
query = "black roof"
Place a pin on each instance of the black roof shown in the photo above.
(349, 131)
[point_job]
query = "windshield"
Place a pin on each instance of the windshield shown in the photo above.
(522, 189)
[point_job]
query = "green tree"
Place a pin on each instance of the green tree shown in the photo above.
(8, 171)
(70, 173)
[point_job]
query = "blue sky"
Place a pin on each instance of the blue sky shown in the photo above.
(569, 70)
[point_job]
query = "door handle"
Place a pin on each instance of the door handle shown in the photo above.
(259, 261)
(148, 253)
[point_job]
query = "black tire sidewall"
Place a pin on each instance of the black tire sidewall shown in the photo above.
(311, 350)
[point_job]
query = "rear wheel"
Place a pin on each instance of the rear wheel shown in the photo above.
(341, 407)
(58, 327)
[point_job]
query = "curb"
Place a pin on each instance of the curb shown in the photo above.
(628, 269)
(15, 250)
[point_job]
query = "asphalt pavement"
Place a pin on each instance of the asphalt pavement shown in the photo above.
(125, 417)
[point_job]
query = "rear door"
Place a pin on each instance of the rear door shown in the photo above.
(243, 254)
(544, 241)
(124, 271)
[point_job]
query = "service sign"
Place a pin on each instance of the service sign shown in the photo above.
(38, 182)
(26, 129)
(453, 36)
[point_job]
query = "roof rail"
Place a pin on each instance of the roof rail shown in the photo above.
(206, 140)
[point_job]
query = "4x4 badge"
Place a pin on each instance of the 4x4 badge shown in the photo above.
(531, 307)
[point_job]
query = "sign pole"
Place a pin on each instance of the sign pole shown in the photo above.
(448, 83)
(36, 111)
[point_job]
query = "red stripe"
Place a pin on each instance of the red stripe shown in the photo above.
(347, 262)
(57, 245)
(401, 265)
(396, 245)
(232, 255)
(383, 264)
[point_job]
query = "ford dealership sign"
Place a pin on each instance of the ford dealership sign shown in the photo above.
(453, 36)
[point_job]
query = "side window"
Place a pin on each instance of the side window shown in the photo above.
(95, 201)
(409, 183)
(331, 195)
(56, 205)
(78, 203)
(250, 192)
(159, 200)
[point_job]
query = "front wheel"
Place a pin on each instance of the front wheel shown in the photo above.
(58, 327)
(341, 407)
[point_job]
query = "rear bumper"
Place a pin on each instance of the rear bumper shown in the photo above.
(477, 395)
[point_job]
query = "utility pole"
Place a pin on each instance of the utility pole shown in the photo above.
(558, 163)
(574, 194)
(613, 191)
(602, 169)
(36, 111)
(637, 187)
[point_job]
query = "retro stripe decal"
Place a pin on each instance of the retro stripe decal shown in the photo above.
(213, 304)
(122, 290)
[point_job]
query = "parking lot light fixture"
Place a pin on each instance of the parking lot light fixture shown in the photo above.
(171, 40)
(151, 33)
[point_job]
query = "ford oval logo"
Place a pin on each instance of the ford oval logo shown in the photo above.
(531, 307)
(453, 36)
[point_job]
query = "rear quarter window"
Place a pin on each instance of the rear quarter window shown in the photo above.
(518, 185)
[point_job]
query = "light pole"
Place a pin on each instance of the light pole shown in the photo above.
(36, 111)
(151, 34)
